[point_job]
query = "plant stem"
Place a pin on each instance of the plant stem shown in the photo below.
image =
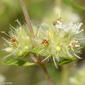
(42, 65)
(46, 74)
(27, 18)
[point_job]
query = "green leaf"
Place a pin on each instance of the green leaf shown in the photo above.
(73, 4)
(65, 61)
(17, 62)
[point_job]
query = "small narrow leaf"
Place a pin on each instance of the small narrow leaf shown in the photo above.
(65, 61)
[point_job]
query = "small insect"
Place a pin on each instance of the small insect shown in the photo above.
(45, 42)
(56, 22)
(14, 41)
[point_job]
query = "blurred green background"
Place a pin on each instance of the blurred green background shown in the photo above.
(39, 11)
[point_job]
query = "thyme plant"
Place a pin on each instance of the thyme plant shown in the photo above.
(57, 41)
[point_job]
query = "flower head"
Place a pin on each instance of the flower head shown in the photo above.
(19, 43)
(59, 41)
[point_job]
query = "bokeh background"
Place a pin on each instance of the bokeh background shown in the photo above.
(39, 11)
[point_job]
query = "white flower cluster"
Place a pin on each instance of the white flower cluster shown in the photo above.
(57, 41)
(70, 27)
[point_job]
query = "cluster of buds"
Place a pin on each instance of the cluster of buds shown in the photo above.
(55, 41)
